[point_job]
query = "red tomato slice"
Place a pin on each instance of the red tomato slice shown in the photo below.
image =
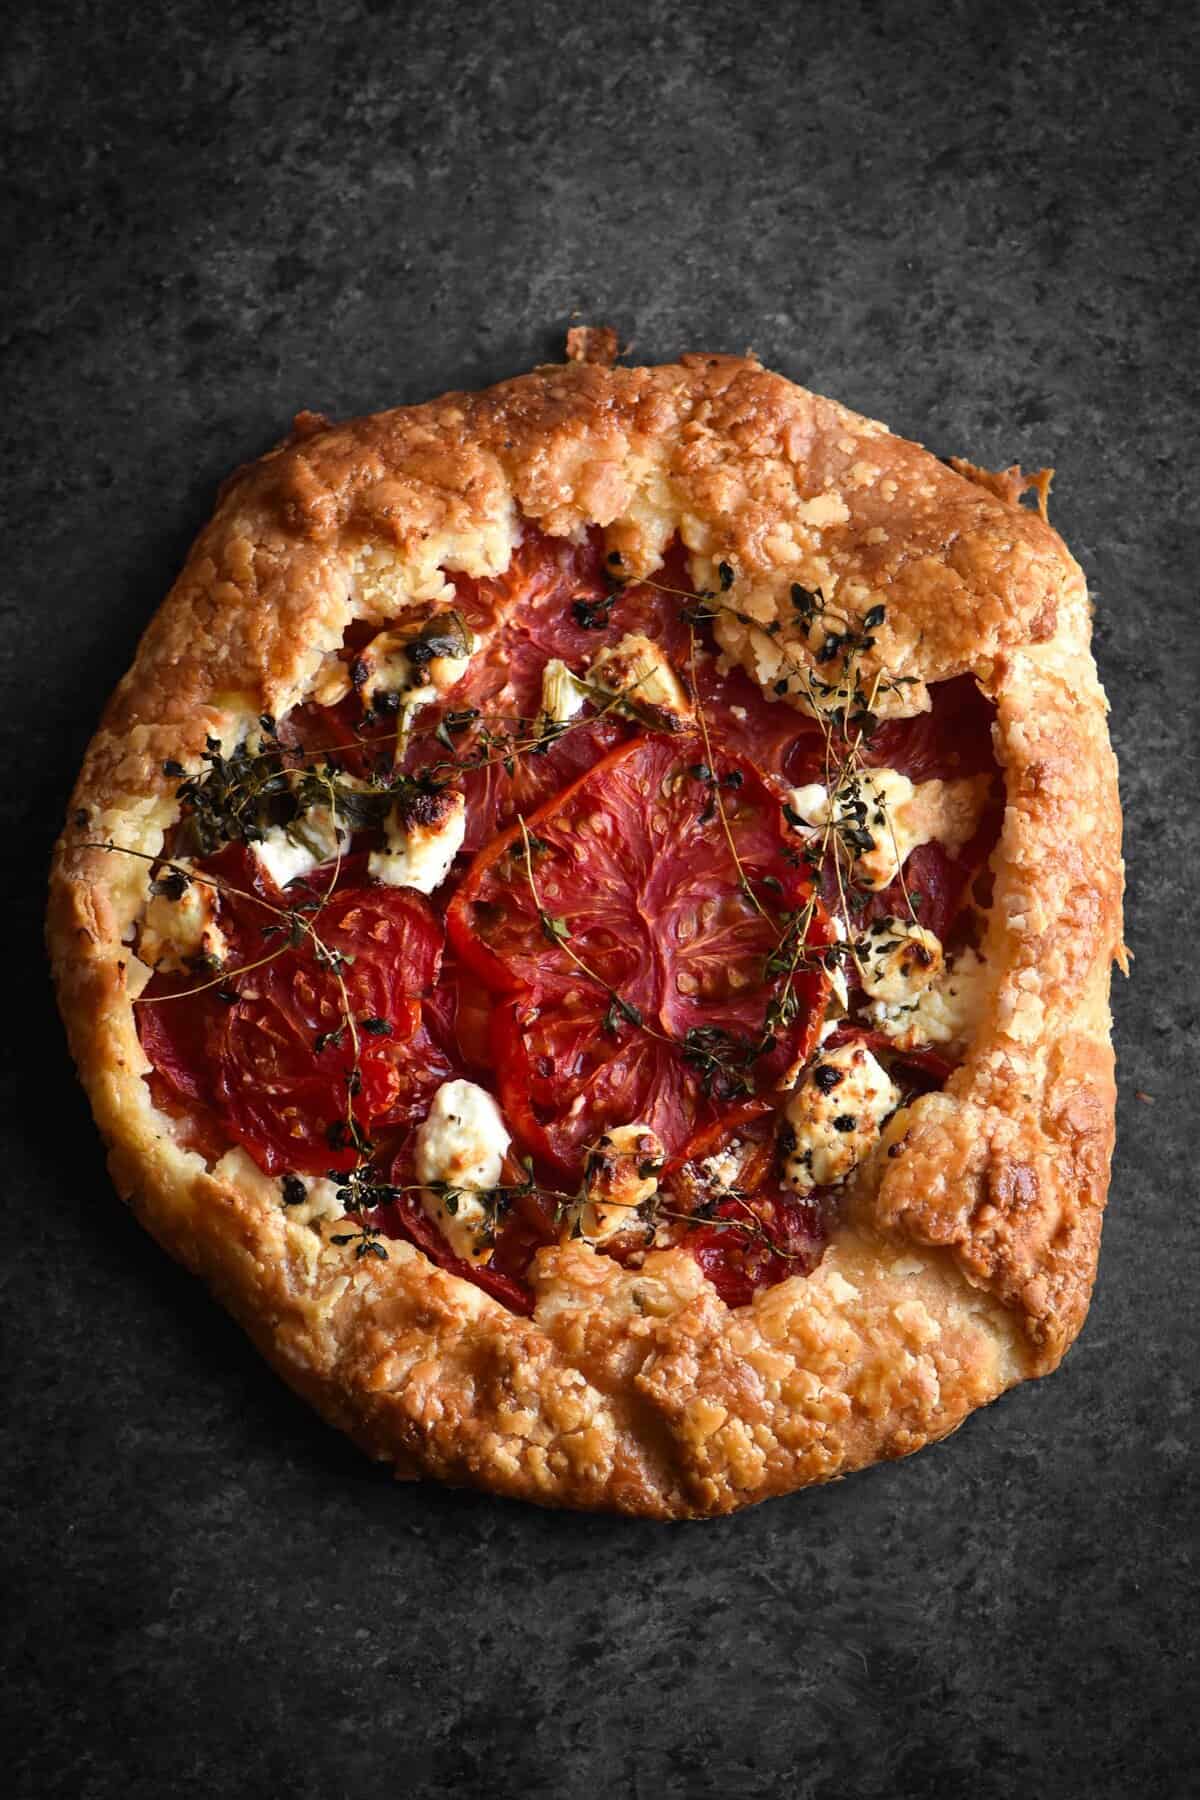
(180, 1028)
(553, 601)
(772, 735)
(954, 738)
(739, 1263)
(634, 859)
(936, 883)
(633, 863)
(563, 1078)
(178, 1034)
(281, 1095)
(768, 1232)
(255, 1058)
(458, 1015)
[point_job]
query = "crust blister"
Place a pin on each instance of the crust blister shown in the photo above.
(968, 1257)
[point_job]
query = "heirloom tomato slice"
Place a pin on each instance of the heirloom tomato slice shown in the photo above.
(633, 947)
(756, 1232)
(553, 601)
(268, 1048)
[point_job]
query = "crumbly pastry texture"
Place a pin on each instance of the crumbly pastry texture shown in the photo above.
(966, 1249)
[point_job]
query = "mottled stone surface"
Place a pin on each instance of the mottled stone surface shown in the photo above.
(975, 222)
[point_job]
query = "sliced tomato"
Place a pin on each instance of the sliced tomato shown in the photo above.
(178, 1031)
(360, 747)
(565, 1074)
(755, 1238)
(953, 739)
(458, 1015)
(180, 1017)
(742, 720)
(757, 1244)
(634, 862)
(285, 1056)
(553, 601)
(625, 934)
(268, 1048)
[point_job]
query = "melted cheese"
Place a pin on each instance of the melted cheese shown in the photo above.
(895, 815)
(639, 670)
(392, 663)
(945, 1012)
(424, 835)
(562, 694)
(459, 1155)
(177, 931)
(622, 1174)
(723, 1169)
(897, 961)
(289, 851)
(835, 1116)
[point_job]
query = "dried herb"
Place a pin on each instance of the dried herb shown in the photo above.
(593, 614)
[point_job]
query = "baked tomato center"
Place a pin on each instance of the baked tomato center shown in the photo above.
(628, 935)
(630, 926)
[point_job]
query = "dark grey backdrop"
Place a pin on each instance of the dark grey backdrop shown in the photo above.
(975, 222)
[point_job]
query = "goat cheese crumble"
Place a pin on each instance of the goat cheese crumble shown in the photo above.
(945, 1012)
(562, 693)
(414, 666)
(424, 834)
(180, 926)
(835, 1116)
(289, 851)
(638, 669)
(459, 1155)
(897, 960)
(879, 818)
(622, 1173)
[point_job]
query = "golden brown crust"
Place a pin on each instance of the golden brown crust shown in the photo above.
(968, 1254)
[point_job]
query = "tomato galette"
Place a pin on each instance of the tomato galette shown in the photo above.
(589, 924)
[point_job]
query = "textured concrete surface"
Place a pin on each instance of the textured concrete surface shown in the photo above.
(975, 222)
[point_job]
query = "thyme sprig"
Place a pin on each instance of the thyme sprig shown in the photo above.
(846, 730)
(742, 878)
(175, 883)
(809, 607)
(359, 1189)
(725, 1062)
(360, 1195)
(259, 787)
(558, 932)
(242, 797)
